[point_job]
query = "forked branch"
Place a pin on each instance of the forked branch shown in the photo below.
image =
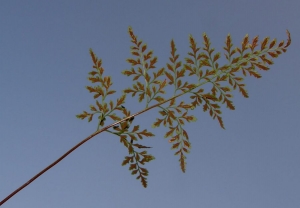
(150, 86)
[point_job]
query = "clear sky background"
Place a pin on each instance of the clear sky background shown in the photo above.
(44, 64)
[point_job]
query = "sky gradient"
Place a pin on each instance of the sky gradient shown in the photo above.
(44, 64)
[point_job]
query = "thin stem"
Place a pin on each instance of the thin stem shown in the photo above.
(82, 142)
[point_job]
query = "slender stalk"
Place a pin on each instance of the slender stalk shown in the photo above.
(81, 143)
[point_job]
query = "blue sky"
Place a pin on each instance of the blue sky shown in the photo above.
(44, 64)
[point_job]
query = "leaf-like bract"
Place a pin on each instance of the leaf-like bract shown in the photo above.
(207, 84)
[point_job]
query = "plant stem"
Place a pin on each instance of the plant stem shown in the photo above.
(85, 140)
